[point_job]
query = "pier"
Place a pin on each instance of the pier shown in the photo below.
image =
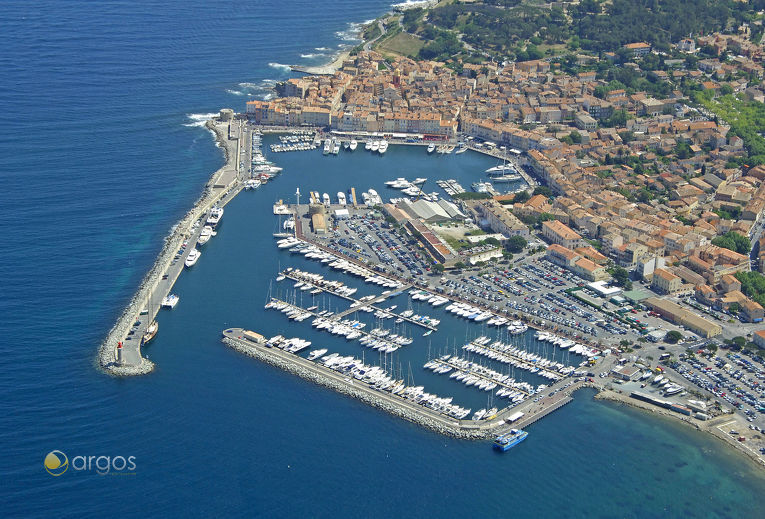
(358, 304)
(222, 187)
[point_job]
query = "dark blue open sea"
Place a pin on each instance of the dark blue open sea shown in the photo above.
(101, 153)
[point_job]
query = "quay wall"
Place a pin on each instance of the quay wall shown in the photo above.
(402, 408)
(106, 357)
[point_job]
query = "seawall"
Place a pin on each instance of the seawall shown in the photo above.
(133, 361)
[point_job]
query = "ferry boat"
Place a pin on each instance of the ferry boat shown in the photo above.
(170, 301)
(205, 235)
(216, 213)
(354, 143)
(431, 148)
(192, 258)
(509, 440)
(151, 331)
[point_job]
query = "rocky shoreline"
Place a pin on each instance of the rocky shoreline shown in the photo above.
(363, 394)
(706, 427)
(106, 356)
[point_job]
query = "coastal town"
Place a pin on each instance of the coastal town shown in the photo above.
(631, 236)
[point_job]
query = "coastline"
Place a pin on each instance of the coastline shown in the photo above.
(709, 427)
(213, 192)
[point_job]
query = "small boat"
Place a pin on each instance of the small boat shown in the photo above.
(431, 148)
(368, 145)
(192, 258)
(427, 333)
(375, 146)
(151, 331)
(383, 146)
(354, 143)
(462, 148)
(170, 301)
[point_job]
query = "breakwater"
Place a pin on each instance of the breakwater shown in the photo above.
(392, 404)
(222, 187)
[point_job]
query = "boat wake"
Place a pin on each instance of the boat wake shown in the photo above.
(198, 120)
(312, 55)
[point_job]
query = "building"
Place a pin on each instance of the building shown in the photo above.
(560, 233)
(666, 282)
(759, 338)
(626, 373)
(497, 218)
(638, 49)
(679, 315)
(752, 311)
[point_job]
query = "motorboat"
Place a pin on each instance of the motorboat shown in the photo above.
(192, 258)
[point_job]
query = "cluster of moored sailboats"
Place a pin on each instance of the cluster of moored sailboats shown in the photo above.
(292, 312)
(519, 358)
(564, 343)
(315, 283)
(483, 378)
(298, 246)
(378, 379)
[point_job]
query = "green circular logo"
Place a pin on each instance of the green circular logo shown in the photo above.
(56, 463)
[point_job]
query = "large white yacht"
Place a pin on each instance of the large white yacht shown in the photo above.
(205, 235)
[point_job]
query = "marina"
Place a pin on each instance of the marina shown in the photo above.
(507, 372)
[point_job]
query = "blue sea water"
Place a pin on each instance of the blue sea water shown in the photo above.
(100, 155)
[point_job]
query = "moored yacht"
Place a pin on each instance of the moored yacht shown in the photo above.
(170, 301)
(205, 235)
(431, 147)
(192, 258)
(216, 213)
(354, 143)
(383, 147)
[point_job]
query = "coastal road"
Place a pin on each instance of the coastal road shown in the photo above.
(383, 32)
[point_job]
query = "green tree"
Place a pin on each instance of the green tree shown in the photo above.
(620, 275)
(733, 241)
(522, 196)
(516, 244)
(438, 267)
(543, 190)
(673, 336)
